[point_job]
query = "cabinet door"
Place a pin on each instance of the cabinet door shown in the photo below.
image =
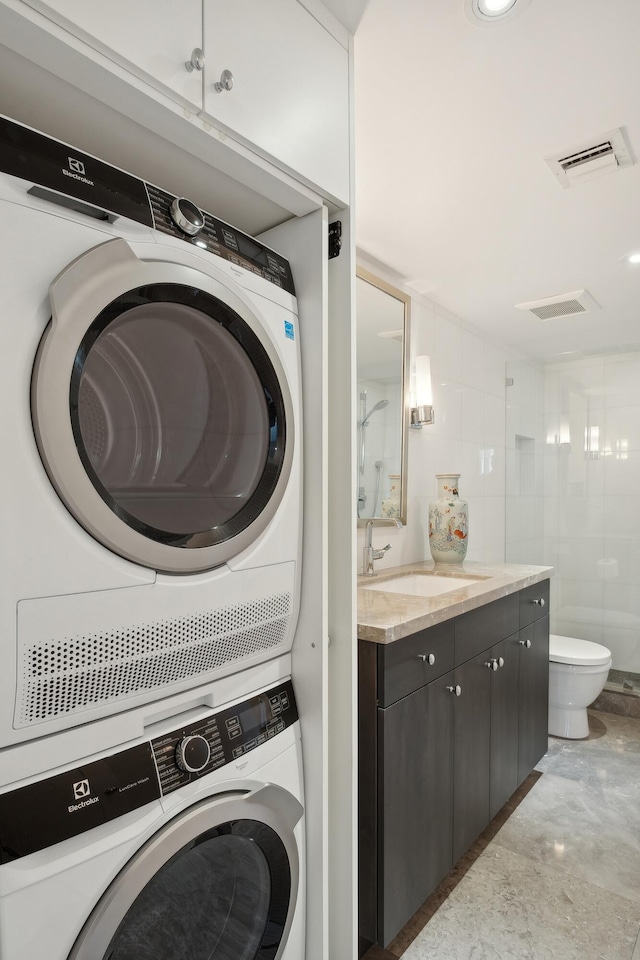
(533, 722)
(415, 802)
(471, 750)
(505, 657)
(152, 38)
(290, 95)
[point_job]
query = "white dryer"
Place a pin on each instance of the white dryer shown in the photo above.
(151, 482)
(186, 845)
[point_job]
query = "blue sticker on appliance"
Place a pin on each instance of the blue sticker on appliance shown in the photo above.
(289, 330)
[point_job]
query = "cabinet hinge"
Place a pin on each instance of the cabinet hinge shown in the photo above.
(335, 239)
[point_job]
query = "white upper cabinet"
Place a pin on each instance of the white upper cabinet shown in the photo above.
(153, 39)
(288, 81)
(273, 77)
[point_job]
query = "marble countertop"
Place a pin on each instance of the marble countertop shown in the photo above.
(384, 617)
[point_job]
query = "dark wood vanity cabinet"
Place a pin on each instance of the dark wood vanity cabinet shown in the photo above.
(452, 719)
(415, 737)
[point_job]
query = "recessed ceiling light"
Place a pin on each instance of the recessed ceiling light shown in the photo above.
(493, 7)
(491, 12)
(633, 258)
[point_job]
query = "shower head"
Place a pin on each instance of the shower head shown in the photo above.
(378, 406)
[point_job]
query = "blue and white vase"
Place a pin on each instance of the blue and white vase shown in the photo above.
(448, 521)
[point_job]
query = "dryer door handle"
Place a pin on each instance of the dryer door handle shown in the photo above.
(280, 800)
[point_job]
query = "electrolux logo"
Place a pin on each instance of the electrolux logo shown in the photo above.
(82, 792)
(77, 171)
(81, 789)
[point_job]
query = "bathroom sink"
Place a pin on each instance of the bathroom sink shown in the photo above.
(423, 585)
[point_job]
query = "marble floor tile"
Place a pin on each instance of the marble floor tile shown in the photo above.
(508, 907)
(636, 952)
(590, 831)
(610, 757)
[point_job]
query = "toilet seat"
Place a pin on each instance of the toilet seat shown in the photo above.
(578, 652)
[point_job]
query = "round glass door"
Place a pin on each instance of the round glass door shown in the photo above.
(162, 409)
(223, 896)
(177, 415)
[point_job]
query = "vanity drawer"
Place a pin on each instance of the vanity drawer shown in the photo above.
(410, 663)
(481, 628)
(534, 602)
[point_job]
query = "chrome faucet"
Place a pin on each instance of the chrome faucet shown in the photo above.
(369, 553)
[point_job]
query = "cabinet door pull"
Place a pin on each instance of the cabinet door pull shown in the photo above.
(429, 658)
(501, 661)
(457, 689)
(225, 82)
(539, 602)
(196, 62)
(492, 664)
(525, 643)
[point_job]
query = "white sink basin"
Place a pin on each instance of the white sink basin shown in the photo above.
(422, 585)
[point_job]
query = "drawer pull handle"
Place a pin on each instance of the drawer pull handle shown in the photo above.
(495, 663)
(539, 602)
(525, 643)
(429, 658)
(457, 689)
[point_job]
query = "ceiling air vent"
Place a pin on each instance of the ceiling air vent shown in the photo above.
(604, 154)
(564, 305)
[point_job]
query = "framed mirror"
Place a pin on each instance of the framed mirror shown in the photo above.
(382, 330)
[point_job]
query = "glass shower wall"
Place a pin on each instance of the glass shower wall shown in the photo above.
(592, 501)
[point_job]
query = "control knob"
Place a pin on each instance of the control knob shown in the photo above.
(193, 754)
(186, 216)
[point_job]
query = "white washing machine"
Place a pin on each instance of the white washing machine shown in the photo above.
(150, 410)
(188, 844)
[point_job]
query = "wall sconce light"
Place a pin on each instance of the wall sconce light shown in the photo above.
(423, 411)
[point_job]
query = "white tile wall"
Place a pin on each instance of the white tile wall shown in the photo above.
(524, 426)
(468, 437)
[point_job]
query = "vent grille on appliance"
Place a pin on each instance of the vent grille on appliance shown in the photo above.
(564, 305)
(604, 154)
(60, 677)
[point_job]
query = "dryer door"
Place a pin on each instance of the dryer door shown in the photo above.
(219, 882)
(161, 410)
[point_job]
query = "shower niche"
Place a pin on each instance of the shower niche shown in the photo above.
(382, 323)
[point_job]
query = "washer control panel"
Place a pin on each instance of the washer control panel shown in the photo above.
(68, 804)
(193, 751)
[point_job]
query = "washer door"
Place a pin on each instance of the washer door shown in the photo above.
(217, 883)
(161, 410)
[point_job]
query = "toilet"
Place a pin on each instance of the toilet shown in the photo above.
(578, 671)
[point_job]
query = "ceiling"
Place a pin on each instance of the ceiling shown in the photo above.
(453, 122)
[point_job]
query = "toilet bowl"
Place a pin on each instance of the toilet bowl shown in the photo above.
(578, 671)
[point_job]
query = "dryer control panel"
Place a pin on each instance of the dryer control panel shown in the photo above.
(70, 803)
(76, 180)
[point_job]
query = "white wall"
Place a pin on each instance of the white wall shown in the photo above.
(592, 501)
(468, 436)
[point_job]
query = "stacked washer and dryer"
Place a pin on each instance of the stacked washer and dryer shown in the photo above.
(151, 799)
